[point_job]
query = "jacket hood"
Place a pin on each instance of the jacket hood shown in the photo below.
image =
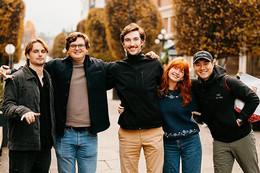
(220, 71)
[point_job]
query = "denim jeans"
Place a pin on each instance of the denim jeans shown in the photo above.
(76, 146)
(188, 149)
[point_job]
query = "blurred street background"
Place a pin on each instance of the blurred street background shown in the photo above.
(228, 29)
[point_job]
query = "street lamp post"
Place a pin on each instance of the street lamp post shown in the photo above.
(163, 38)
(10, 49)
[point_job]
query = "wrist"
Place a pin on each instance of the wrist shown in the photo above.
(239, 122)
(8, 72)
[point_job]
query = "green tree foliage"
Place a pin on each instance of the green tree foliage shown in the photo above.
(120, 13)
(58, 46)
(11, 23)
(222, 27)
(81, 26)
(95, 30)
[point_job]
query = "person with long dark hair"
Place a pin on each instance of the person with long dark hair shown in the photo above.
(181, 132)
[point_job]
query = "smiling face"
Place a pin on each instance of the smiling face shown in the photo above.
(133, 43)
(203, 68)
(175, 74)
(77, 50)
(37, 56)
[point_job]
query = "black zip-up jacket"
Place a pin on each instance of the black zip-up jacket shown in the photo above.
(22, 95)
(96, 71)
(136, 79)
(216, 104)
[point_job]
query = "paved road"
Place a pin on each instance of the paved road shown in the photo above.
(108, 155)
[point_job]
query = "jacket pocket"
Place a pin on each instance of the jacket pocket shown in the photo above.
(27, 96)
(147, 79)
(26, 133)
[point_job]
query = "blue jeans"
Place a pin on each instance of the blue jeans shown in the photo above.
(188, 149)
(80, 146)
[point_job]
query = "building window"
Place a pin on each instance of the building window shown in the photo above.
(253, 66)
(91, 4)
(159, 3)
(165, 24)
(171, 25)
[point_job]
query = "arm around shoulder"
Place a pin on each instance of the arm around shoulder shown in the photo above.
(110, 78)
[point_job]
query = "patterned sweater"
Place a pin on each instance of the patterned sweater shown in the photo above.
(177, 120)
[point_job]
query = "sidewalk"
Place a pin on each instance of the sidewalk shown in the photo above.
(108, 154)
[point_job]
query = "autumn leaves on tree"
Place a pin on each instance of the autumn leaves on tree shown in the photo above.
(223, 27)
(11, 31)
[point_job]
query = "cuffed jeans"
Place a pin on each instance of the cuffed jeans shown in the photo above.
(243, 150)
(188, 149)
(80, 146)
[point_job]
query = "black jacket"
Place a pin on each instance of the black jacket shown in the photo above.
(96, 70)
(136, 79)
(216, 103)
(22, 95)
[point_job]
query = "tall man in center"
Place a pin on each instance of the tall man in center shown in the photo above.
(136, 79)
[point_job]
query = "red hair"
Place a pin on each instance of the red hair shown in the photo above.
(184, 86)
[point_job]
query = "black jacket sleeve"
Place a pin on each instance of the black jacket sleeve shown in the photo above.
(160, 73)
(241, 91)
(111, 80)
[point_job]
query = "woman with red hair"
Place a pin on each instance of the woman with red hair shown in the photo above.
(181, 138)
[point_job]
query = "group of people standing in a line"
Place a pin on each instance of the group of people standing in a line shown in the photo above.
(63, 103)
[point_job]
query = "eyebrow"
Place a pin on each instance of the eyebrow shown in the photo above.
(39, 49)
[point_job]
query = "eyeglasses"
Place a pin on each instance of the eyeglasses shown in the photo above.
(80, 46)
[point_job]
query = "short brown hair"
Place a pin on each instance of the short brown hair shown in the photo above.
(132, 27)
(73, 37)
(29, 45)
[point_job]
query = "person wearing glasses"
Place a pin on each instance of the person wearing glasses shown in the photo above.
(80, 100)
(80, 105)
